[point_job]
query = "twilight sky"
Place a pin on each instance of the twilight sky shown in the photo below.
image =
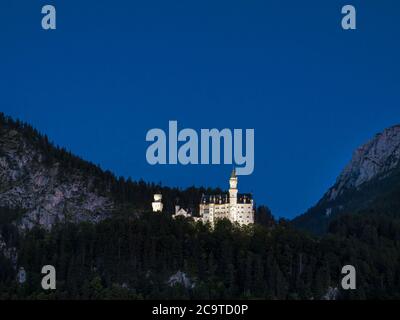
(115, 69)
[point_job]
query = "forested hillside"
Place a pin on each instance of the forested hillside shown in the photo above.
(51, 184)
(129, 258)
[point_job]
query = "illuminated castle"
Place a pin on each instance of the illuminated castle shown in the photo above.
(233, 206)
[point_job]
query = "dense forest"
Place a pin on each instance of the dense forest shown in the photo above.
(133, 258)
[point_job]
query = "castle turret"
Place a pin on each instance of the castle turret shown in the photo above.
(157, 203)
(233, 195)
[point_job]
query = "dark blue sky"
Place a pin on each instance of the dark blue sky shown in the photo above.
(115, 69)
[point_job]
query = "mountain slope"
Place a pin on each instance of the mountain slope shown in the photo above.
(371, 180)
(44, 182)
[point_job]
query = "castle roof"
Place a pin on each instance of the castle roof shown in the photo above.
(242, 198)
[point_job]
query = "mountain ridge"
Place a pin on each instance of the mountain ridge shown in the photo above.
(373, 171)
(44, 181)
(49, 184)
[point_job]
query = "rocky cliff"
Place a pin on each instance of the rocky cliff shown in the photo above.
(44, 188)
(373, 173)
(376, 158)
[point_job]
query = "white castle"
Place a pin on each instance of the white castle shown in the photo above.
(232, 206)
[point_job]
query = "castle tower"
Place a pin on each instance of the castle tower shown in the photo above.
(233, 192)
(157, 203)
